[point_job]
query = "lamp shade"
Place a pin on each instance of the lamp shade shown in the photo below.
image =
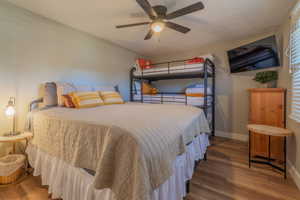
(10, 111)
(10, 108)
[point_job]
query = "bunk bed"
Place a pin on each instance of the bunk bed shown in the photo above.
(179, 69)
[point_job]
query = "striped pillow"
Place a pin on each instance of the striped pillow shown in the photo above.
(86, 99)
(111, 97)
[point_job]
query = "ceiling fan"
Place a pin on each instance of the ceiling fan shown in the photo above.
(160, 18)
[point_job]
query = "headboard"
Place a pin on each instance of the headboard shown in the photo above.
(35, 104)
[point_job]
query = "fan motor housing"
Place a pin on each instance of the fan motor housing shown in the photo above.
(160, 10)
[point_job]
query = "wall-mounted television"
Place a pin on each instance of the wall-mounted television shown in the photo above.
(254, 56)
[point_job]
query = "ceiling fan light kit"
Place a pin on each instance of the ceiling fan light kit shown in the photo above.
(160, 19)
(158, 26)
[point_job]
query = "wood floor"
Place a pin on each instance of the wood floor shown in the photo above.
(225, 175)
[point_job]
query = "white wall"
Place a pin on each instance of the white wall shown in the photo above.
(34, 50)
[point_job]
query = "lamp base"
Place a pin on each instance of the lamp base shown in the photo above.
(9, 134)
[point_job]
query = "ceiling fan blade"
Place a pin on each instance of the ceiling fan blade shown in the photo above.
(177, 27)
(147, 8)
(131, 25)
(187, 10)
(149, 35)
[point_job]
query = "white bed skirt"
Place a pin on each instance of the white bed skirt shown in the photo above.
(70, 183)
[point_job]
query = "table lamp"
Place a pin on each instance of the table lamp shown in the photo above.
(10, 111)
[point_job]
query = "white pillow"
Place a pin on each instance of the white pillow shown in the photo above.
(62, 89)
(104, 88)
(137, 85)
(49, 94)
(83, 88)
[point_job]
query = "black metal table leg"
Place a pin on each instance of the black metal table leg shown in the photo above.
(269, 149)
(284, 157)
(187, 186)
(268, 160)
(249, 148)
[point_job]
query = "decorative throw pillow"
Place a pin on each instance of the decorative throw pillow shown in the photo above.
(86, 99)
(50, 94)
(100, 88)
(146, 88)
(111, 97)
(144, 64)
(68, 101)
(83, 88)
(62, 89)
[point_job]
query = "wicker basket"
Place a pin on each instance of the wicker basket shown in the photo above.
(11, 168)
(5, 180)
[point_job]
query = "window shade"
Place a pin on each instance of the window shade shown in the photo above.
(295, 63)
(295, 39)
(295, 114)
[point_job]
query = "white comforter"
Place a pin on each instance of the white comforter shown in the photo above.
(103, 138)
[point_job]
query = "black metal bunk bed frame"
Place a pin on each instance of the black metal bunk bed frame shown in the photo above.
(203, 75)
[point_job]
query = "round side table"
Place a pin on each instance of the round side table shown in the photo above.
(269, 131)
(25, 136)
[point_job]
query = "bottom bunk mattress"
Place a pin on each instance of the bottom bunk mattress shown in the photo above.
(71, 183)
(179, 99)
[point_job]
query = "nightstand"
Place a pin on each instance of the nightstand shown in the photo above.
(269, 131)
(25, 136)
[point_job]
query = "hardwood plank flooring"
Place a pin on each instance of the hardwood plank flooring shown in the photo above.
(224, 176)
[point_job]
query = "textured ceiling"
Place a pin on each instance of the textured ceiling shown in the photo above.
(221, 20)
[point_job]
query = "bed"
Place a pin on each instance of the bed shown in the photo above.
(179, 99)
(176, 68)
(181, 69)
(136, 151)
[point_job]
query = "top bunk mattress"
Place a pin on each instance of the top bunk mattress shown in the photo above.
(177, 69)
(183, 69)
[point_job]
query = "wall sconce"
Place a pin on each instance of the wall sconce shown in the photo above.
(10, 111)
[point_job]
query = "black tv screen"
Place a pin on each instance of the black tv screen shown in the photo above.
(257, 55)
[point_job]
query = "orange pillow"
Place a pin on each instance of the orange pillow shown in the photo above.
(143, 63)
(68, 101)
(146, 88)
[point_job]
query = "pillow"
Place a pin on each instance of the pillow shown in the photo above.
(143, 63)
(86, 99)
(62, 89)
(104, 88)
(68, 101)
(83, 88)
(50, 94)
(146, 88)
(111, 97)
(137, 87)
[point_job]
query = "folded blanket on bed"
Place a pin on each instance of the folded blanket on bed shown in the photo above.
(131, 147)
(197, 90)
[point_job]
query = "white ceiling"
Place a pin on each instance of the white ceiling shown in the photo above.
(221, 20)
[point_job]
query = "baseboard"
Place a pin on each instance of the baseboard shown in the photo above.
(235, 136)
(294, 173)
